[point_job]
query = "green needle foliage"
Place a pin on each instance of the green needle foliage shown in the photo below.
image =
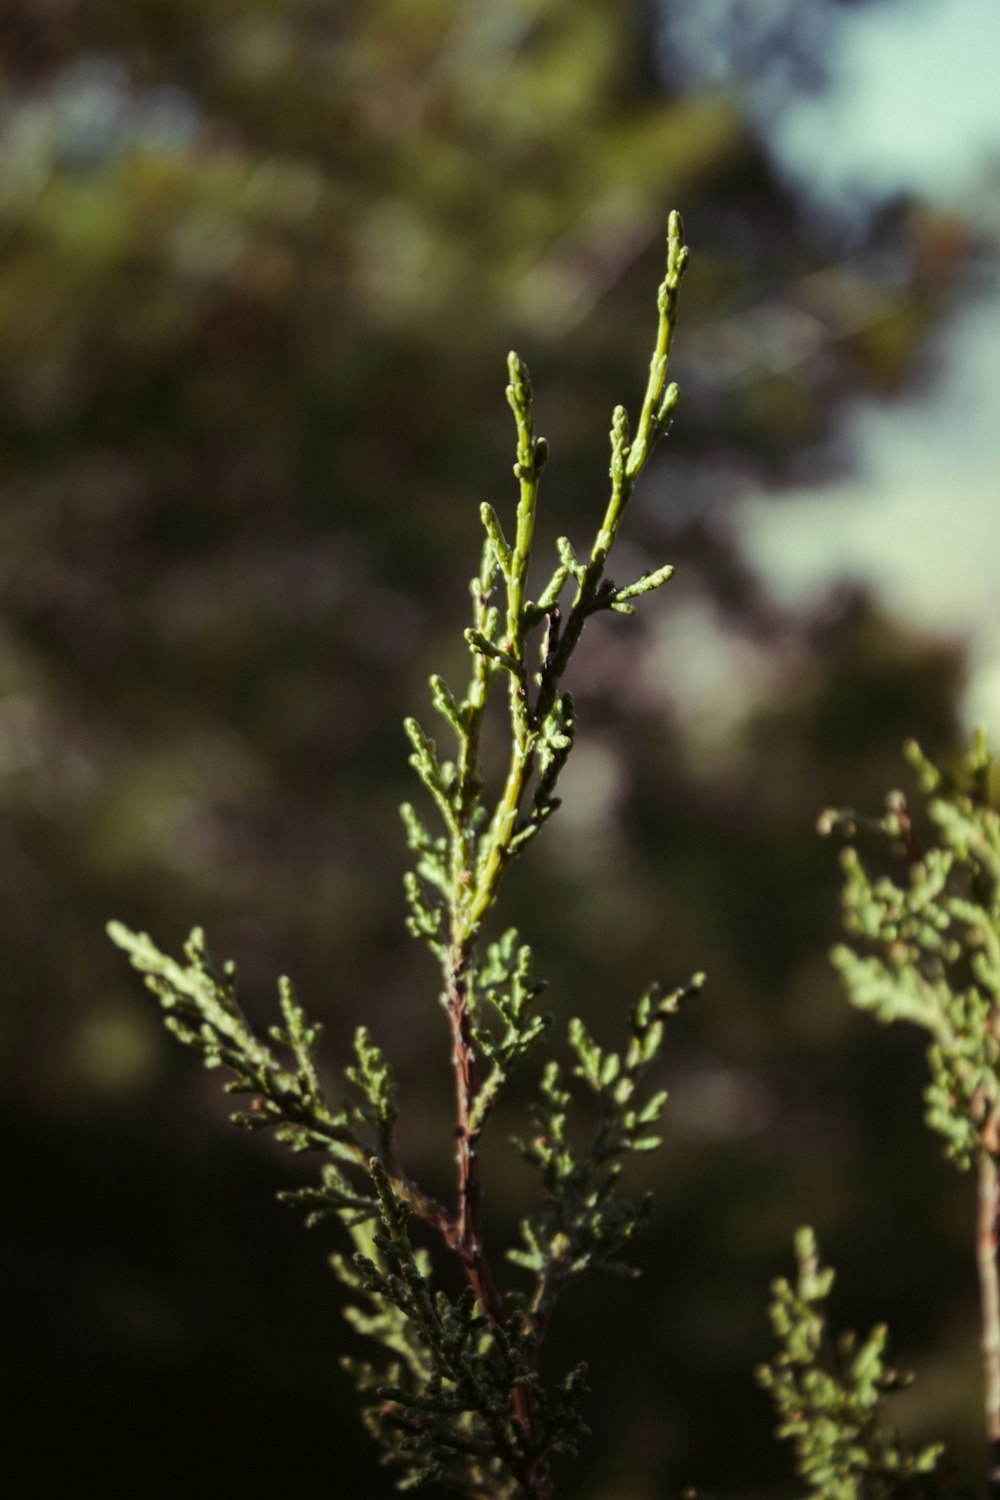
(928, 946)
(457, 1396)
(928, 952)
(926, 949)
(829, 1395)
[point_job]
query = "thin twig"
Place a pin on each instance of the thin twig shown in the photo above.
(989, 1292)
(466, 1236)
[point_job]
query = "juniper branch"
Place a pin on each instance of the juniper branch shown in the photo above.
(542, 727)
(461, 1401)
(927, 950)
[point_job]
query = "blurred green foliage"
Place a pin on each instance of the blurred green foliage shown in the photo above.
(259, 263)
(831, 1395)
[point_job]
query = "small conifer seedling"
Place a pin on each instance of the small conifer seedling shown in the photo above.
(457, 1395)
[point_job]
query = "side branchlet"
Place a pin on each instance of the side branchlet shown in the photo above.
(585, 1222)
(830, 1393)
(926, 942)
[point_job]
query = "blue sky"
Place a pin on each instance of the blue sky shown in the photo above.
(914, 105)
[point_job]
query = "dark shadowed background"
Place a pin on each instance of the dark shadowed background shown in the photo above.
(260, 263)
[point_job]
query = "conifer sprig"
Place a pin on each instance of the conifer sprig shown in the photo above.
(584, 1222)
(459, 1398)
(927, 946)
(926, 949)
(829, 1395)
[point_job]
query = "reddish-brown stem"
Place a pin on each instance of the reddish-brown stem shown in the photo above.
(989, 1291)
(541, 1312)
(466, 1237)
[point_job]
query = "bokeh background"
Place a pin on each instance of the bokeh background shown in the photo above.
(260, 262)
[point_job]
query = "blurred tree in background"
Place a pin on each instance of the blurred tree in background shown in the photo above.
(260, 263)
